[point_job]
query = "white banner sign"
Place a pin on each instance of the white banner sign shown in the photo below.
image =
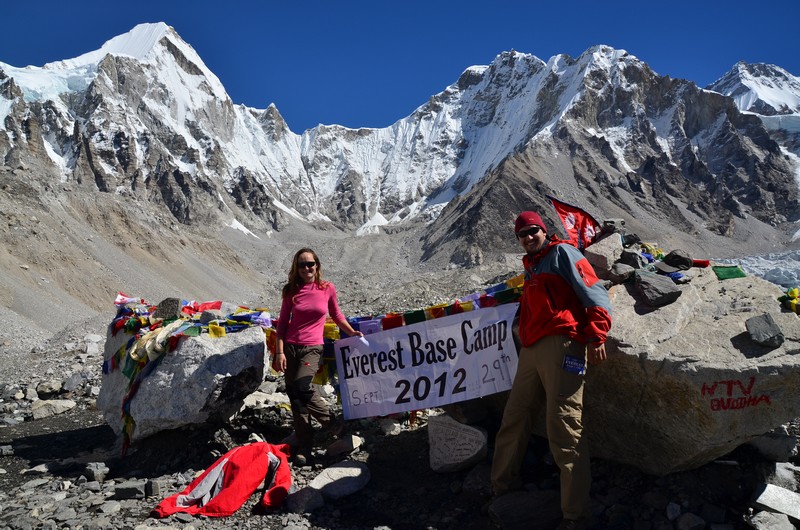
(429, 364)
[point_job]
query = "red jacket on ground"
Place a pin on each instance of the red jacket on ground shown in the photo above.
(226, 485)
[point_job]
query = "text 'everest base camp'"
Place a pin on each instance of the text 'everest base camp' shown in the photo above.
(134, 163)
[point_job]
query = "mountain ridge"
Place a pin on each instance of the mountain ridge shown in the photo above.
(150, 178)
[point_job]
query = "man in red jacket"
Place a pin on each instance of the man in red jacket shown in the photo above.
(565, 315)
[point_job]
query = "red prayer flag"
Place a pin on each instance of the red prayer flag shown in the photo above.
(582, 229)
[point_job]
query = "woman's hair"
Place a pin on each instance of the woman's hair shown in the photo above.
(295, 282)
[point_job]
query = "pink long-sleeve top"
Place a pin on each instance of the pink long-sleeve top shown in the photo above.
(302, 318)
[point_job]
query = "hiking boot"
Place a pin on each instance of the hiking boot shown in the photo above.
(302, 458)
(575, 524)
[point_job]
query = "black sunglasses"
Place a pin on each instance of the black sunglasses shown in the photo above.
(532, 231)
(306, 264)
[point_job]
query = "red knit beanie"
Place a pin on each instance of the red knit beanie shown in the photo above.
(526, 219)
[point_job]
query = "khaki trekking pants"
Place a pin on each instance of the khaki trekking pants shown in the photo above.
(542, 381)
(302, 362)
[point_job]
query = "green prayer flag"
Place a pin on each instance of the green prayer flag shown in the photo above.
(193, 331)
(726, 272)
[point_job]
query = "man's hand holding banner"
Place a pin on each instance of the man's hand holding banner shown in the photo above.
(429, 364)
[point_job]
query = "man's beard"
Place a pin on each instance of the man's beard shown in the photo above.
(538, 248)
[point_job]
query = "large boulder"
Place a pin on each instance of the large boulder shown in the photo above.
(203, 379)
(685, 383)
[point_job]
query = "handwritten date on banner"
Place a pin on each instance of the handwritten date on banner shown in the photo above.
(428, 364)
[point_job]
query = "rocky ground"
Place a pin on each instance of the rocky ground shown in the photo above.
(62, 468)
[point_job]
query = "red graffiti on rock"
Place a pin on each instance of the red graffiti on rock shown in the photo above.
(736, 395)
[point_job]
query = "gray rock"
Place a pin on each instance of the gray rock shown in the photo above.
(621, 273)
(51, 407)
(305, 500)
(110, 507)
(64, 514)
(211, 315)
(777, 499)
(785, 476)
(268, 387)
(74, 382)
(155, 488)
(603, 254)
(96, 471)
(771, 521)
(35, 483)
(764, 330)
(93, 486)
(777, 445)
(341, 479)
(453, 445)
(130, 489)
(632, 258)
(168, 308)
(204, 379)
(344, 446)
(683, 384)
(100, 523)
(655, 289)
(673, 511)
(48, 388)
(390, 426)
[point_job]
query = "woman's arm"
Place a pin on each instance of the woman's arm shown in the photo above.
(337, 315)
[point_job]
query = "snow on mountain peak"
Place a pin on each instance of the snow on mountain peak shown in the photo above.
(761, 88)
(142, 43)
(603, 55)
(137, 43)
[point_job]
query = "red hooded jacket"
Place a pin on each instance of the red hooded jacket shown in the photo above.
(562, 296)
(222, 488)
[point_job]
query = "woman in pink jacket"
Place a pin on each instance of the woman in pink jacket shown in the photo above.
(307, 301)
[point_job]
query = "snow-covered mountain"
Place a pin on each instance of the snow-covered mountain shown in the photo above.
(761, 88)
(144, 118)
(773, 94)
(131, 164)
(143, 115)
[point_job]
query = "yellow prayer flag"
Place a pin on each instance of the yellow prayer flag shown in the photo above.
(331, 331)
(215, 330)
(516, 281)
(435, 311)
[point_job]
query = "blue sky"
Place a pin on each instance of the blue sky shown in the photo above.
(371, 63)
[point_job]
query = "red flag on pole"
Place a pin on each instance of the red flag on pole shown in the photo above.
(582, 229)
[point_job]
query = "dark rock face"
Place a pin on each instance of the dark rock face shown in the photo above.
(633, 141)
